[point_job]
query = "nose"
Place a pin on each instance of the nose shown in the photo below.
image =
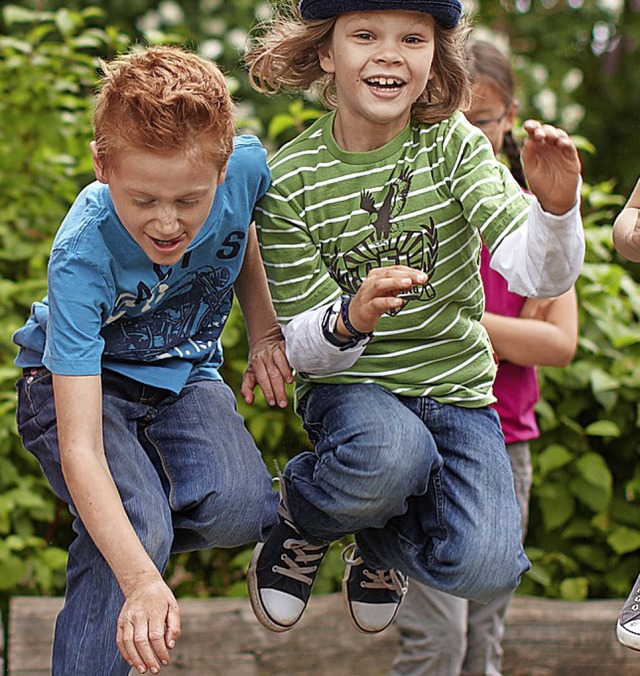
(388, 52)
(168, 220)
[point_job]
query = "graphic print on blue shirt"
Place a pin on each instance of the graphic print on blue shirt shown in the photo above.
(184, 321)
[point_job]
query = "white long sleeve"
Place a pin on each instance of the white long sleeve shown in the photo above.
(544, 256)
(308, 351)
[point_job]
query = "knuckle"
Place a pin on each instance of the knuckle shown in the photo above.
(155, 636)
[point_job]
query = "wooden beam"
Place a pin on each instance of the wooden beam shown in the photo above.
(222, 637)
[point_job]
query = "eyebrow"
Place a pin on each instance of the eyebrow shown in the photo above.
(196, 192)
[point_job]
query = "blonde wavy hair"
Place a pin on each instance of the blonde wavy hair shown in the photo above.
(163, 99)
(285, 58)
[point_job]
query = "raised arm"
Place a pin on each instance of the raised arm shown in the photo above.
(149, 622)
(626, 228)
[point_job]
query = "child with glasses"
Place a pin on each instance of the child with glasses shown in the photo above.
(441, 633)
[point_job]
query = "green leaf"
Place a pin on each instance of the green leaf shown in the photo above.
(556, 504)
(594, 470)
(594, 497)
(574, 588)
(553, 457)
(602, 381)
(624, 540)
(11, 571)
(539, 574)
(603, 428)
(12, 14)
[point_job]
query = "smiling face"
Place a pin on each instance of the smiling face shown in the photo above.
(382, 62)
(162, 200)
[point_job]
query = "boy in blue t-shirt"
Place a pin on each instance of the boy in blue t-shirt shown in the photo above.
(142, 438)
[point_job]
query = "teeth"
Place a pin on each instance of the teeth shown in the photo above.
(385, 81)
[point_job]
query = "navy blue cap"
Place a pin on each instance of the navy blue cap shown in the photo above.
(445, 12)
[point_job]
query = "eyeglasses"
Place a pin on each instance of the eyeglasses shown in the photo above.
(486, 122)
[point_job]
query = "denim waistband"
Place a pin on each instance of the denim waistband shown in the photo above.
(116, 384)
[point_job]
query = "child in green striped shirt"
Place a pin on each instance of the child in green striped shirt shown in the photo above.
(371, 233)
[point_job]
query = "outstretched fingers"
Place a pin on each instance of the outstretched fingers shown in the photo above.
(552, 166)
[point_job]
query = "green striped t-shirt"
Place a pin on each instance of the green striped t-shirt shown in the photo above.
(424, 200)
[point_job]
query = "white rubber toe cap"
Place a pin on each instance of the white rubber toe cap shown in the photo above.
(373, 617)
(282, 608)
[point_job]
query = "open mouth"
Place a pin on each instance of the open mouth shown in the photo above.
(385, 83)
(166, 243)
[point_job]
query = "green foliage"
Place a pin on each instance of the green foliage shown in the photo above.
(585, 508)
(584, 533)
(47, 73)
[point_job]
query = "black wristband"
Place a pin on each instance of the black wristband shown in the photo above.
(344, 313)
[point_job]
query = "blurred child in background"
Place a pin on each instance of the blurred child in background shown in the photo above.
(444, 635)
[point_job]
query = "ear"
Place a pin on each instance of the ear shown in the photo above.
(98, 166)
(325, 56)
(510, 117)
(223, 173)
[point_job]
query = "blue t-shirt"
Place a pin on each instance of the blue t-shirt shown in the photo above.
(108, 306)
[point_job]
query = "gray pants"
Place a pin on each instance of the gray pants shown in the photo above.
(443, 635)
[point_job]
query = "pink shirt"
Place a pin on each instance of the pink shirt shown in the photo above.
(516, 387)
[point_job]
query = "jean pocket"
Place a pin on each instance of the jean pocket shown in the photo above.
(35, 393)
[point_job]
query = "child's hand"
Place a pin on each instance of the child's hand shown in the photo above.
(268, 367)
(148, 626)
(552, 166)
(379, 293)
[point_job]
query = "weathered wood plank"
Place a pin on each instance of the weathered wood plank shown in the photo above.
(221, 637)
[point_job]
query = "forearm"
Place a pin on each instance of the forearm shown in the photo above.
(252, 291)
(529, 342)
(308, 350)
(626, 234)
(100, 509)
(79, 416)
(543, 258)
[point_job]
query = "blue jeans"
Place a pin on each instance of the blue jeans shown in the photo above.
(442, 635)
(190, 477)
(426, 487)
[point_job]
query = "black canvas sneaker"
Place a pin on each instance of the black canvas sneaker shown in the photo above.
(628, 629)
(282, 572)
(372, 596)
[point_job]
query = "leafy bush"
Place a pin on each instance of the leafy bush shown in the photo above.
(585, 508)
(585, 512)
(47, 73)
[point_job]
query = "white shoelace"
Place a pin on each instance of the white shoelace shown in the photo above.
(390, 579)
(303, 554)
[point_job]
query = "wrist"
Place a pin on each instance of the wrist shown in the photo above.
(331, 325)
(346, 322)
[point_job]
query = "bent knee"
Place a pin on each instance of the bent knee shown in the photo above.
(234, 520)
(487, 570)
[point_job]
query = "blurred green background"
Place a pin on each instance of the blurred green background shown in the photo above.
(576, 65)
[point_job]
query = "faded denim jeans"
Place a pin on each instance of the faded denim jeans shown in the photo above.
(426, 487)
(190, 477)
(443, 635)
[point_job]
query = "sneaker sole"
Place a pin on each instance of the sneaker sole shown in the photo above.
(254, 595)
(627, 638)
